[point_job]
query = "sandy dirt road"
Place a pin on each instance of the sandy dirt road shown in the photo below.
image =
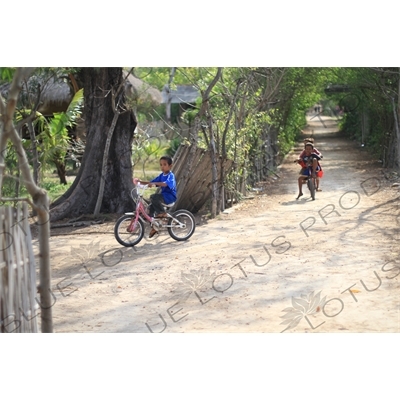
(270, 264)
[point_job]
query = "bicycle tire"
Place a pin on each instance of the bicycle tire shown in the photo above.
(178, 233)
(311, 187)
(128, 239)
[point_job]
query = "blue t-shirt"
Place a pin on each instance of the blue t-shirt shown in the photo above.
(169, 191)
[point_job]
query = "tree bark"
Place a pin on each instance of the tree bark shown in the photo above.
(168, 90)
(397, 125)
(35, 153)
(82, 196)
(232, 102)
(61, 171)
(214, 173)
(104, 165)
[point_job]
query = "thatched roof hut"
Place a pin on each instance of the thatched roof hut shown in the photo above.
(56, 95)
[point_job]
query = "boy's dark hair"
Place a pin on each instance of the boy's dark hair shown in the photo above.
(168, 159)
(309, 144)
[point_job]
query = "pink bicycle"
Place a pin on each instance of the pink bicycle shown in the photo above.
(129, 229)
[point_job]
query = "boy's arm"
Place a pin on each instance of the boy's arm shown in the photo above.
(315, 157)
(156, 182)
(300, 158)
(150, 183)
(171, 181)
(317, 152)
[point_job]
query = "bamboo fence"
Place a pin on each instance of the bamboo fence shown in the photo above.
(18, 305)
(198, 188)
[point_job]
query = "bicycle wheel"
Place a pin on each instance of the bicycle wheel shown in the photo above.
(311, 187)
(181, 233)
(123, 236)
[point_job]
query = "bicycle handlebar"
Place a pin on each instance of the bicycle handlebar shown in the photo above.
(139, 189)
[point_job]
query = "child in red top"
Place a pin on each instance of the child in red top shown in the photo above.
(318, 153)
(315, 150)
(310, 166)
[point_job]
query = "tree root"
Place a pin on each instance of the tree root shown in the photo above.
(76, 224)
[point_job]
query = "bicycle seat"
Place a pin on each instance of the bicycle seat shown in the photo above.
(168, 205)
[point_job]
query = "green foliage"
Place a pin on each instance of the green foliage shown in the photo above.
(254, 106)
(12, 181)
(149, 147)
(369, 105)
(54, 188)
(301, 89)
(158, 77)
(11, 160)
(146, 152)
(173, 146)
(54, 139)
(50, 184)
(155, 76)
(6, 74)
(189, 115)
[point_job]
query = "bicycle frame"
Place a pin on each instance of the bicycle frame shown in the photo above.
(141, 213)
(310, 174)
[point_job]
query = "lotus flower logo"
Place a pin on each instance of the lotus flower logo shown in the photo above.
(303, 306)
(86, 253)
(193, 281)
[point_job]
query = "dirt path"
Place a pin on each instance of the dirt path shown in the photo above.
(329, 265)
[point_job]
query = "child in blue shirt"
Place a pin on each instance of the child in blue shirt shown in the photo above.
(166, 180)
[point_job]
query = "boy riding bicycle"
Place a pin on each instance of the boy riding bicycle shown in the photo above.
(309, 162)
(166, 180)
(318, 153)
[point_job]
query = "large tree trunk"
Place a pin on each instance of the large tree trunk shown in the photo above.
(82, 196)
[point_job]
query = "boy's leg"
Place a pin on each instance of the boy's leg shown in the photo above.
(300, 182)
(314, 167)
(302, 173)
(319, 175)
(317, 186)
(156, 206)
